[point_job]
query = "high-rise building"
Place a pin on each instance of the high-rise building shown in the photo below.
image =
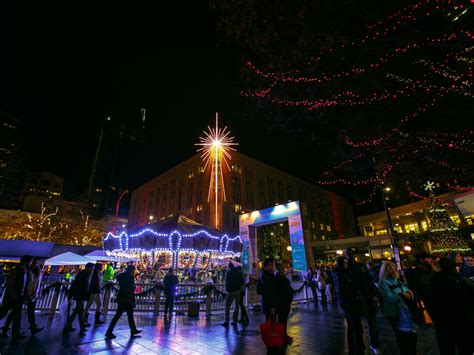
(10, 170)
(249, 185)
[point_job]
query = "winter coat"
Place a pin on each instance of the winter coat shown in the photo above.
(34, 280)
(80, 286)
(233, 280)
(390, 289)
(126, 292)
(96, 282)
(268, 286)
(108, 273)
(170, 282)
(284, 293)
(15, 284)
(451, 297)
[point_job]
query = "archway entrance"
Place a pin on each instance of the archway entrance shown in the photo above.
(289, 212)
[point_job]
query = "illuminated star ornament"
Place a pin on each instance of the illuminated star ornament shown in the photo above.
(215, 148)
(429, 186)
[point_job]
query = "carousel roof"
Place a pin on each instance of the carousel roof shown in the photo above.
(178, 223)
(173, 234)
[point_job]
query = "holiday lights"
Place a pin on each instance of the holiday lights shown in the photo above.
(224, 245)
(216, 145)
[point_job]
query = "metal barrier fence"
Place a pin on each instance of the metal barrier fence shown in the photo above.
(150, 298)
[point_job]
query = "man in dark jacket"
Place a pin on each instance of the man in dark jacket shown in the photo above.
(356, 295)
(266, 287)
(452, 309)
(15, 295)
(233, 283)
(170, 282)
(420, 280)
(126, 301)
(79, 291)
(94, 291)
(285, 296)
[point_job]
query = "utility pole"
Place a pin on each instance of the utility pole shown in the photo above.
(391, 230)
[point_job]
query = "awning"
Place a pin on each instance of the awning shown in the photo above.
(68, 258)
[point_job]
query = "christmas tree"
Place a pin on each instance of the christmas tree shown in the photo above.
(444, 233)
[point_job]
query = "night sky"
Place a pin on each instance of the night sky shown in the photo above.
(69, 71)
(68, 68)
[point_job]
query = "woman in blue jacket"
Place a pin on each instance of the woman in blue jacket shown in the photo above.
(394, 291)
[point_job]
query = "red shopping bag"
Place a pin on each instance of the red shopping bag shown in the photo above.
(273, 333)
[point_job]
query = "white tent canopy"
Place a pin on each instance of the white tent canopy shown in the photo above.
(68, 258)
(99, 255)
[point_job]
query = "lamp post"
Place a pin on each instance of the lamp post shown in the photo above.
(407, 249)
(386, 190)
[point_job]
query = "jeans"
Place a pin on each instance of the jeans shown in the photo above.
(31, 307)
(79, 311)
(94, 297)
(355, 339)
(406, 341)
(243, 310)
(123, 307)
(169, 303)
(372, 323)
(232, 297)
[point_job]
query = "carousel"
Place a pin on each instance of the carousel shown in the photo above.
(177, 242)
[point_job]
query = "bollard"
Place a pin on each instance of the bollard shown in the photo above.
(107, 295)
(156, 309)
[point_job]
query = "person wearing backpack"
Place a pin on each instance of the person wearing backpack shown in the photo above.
(393, 291)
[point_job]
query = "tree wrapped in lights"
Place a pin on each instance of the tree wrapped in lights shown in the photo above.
(83, 232)
(41, 227)
(444, 234)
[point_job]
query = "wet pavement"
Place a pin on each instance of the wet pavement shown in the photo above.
(315, 331)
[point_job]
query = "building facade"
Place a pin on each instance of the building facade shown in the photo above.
(249, 185)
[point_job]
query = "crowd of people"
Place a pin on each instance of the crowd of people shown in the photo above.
(436, 291)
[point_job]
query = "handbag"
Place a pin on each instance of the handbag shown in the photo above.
(273, 333)
(406, 321)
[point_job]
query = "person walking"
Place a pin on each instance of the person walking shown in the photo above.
(452, 309)
(170, 282)
(126, 302)
(31, 295)
(329, 285)
(266, 287)
(285, 296)
(79, 292)
(321, 277)
(95, 288)
(244, 318)
(356, 295)
(393, 291)
(233, 283)
(15, 294)
(109, 273)
(310, 278)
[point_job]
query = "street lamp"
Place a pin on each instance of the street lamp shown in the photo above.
(407, 248)
(289, 248)
(393, 235)
(150, 219)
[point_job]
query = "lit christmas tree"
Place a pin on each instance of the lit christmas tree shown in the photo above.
(444, 234)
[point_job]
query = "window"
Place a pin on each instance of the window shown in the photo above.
(236, 169)
(368, 230)
(381, 232)
(455, 219)
(424, 225)
(191, 174)
(411, 228)
(321, 226)
(328, 228)
(198, 208)
(98, 189)
(236, 189)
(280, 191)
(237, 208)
(201, 169)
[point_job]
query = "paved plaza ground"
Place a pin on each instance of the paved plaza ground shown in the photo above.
(315, 331)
